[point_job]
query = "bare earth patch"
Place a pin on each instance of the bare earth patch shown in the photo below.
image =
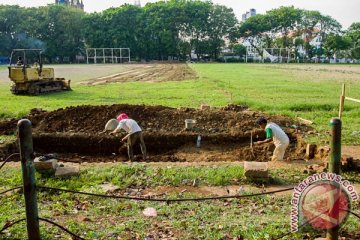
(321, 72)
(353, 151)
(146, 73)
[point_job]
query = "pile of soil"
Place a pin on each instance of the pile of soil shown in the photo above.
(225, 132)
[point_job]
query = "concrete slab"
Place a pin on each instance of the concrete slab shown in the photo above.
(45, 166)
(256, 170)
(67, 171)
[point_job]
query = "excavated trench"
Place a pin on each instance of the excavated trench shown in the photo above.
(225, 133)
(105, 145)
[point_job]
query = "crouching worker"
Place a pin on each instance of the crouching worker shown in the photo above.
(277, 135)
(134, 134)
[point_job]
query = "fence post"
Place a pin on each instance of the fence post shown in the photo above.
(28, 173)
(334, 165)
(342, 100)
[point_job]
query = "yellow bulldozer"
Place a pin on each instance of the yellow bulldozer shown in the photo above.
(30, 77)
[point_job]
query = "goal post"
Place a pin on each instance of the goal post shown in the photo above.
(107, 55)
(269, 55)
(276, 55)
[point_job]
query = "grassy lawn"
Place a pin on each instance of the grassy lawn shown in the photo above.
(278, 89)
(307, 91)
(253, 218)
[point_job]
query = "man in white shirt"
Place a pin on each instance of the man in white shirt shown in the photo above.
(134, 134)
(277, 135)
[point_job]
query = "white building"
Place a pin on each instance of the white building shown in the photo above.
(248, 14)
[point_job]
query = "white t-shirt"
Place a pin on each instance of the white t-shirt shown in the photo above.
(129, 125)
(279, 136)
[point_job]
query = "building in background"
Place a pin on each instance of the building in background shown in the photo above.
(137, 3)
(248, 14)
(71, 3)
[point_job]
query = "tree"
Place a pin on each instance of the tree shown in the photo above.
(11, 21)
(122, 28)
(353, 34)
(60, 27)
(285, 20)
(254, 29)
(334, 43)
(239, 49)
(194, 27)
(222, 25)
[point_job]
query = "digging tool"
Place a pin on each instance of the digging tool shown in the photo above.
(251, 144)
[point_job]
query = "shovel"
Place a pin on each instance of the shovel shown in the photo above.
(251, 144)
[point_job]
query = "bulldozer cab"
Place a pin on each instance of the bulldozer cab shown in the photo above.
(30, 77)
(26, 65)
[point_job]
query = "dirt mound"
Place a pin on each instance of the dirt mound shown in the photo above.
(225, 132)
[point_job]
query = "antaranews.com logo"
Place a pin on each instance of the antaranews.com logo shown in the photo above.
(322, 200)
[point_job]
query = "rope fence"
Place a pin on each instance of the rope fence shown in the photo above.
(62, 228)
(127, 198)
(9, 225)
(8, 158)
(166, 200)
(9, 190)
(342, 100)
(151, 200)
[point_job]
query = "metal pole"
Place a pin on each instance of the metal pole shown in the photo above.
(129, 56)
(104, 59)
(95, 57)
(334, 167)
(28, 172)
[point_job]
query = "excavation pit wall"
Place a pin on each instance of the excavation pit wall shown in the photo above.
(156, 144)
(214, 147)
(225, 132)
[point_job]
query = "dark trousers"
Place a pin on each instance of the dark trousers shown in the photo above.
(132, 140)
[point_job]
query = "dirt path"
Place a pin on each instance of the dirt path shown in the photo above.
(353, 151)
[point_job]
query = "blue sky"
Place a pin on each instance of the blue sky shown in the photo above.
(345, 11)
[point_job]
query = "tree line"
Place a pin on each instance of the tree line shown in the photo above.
(169, 30)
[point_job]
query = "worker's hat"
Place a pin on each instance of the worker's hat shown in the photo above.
(122, 116)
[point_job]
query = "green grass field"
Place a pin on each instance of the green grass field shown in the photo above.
(265, 217)
(308, 91)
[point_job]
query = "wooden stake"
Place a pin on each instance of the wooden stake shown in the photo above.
(352, 99)
(251, 144)
(342, 99)
(251, 141)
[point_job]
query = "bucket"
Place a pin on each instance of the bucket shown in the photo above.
(189, 123)
(111, 125)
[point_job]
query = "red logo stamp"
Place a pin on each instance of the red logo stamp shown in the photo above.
(325, 205)
(322, 200)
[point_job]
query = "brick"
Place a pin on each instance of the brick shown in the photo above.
(67, 171)
(310, 151)
(256, 170)
(45, 166)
